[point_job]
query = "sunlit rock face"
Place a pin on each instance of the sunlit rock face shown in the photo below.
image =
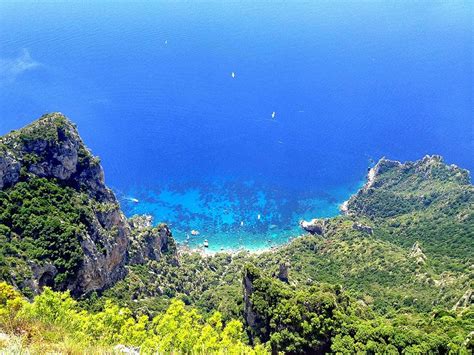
(51, 148)
(315, 226)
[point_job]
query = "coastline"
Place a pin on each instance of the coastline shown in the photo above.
(255, 222)
(207, 253)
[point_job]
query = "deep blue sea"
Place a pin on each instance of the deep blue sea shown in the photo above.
(239, 119)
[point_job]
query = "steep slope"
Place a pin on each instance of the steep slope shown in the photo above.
(425, 201)
(394, 274)
(407, 239)
(60, 225)
(399, 261)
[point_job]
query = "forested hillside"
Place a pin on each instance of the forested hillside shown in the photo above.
(393, 274)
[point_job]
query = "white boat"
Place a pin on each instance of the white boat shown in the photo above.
(232, 75)
(273, 114)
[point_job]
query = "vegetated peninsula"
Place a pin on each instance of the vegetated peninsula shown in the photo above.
(393, 274)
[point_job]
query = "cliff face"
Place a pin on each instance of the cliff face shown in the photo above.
(251, 316)
(148, 242)
(52, 148)
(50, 153)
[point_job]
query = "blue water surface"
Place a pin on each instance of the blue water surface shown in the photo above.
(150, 86)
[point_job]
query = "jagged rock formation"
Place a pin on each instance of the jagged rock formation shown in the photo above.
(362, 228)
(417, 254)
(466, 300)
(469, 339)
(252, 319)
(315, 226)
(148, 242)
(283, 271)
(51, 148)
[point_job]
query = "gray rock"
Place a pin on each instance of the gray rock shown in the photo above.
(465, 301)
(141, 222)
(315, 226)
(52, 148)
(9, 170)
(249, 314)
(122, 349)
(362, 228)
(150, 243)
(283, 271)
(417, 254)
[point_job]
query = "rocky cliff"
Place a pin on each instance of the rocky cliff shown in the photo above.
(43, 166)
(148, 242)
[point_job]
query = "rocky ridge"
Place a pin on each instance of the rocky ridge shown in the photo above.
(418, 180)
(51, 148)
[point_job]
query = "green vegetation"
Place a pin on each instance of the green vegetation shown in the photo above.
(53, 322)
(407, 298)
(323, 318)
(426, 201)
(394, 289)
(42, 222)
(207, 283)
(48, 128)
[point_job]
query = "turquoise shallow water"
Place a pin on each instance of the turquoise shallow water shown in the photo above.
(233, 215)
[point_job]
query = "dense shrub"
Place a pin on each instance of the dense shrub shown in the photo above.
(42, 221)
(54, 321)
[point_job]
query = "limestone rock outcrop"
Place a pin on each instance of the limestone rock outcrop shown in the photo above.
(251, 317)
(315, 226)
(417, 254)
(466, 300)
(362, 228)
(51, 148)
(283, 271)
(148, 242)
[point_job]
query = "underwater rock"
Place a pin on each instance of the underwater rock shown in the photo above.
(315, 226)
